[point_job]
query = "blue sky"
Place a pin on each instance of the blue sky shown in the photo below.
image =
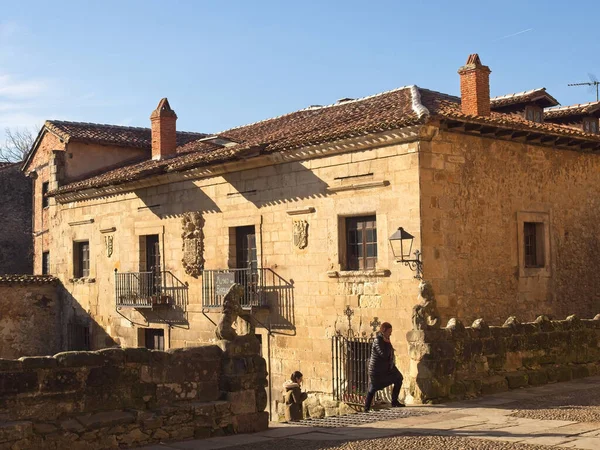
(228, 63)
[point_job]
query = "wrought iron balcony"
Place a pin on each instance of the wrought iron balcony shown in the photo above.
(149, 290)
(260, 287)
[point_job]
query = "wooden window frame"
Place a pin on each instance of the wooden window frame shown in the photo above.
(359, 259)
(45, 189)
(539, 230)
(45, 263)
(81, 259)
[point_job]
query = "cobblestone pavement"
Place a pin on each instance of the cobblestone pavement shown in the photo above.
(562, 415)
(579, 406)
(394, 443)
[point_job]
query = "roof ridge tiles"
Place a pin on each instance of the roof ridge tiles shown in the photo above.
(108, 125)
(515, 94)
(577, 105)
(317, 107)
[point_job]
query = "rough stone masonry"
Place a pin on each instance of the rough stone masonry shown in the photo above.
(115, 398)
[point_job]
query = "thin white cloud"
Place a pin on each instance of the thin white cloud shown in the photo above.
(19, 89)
(513, 34)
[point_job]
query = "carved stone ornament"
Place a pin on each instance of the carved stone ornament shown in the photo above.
(108, 242)
(425, 315)
(193, 243)
(300, 233)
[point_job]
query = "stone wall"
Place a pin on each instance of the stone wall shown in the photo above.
(457, 362)
(129, 397)
(16, 243)
(476, 192)
(30, 316)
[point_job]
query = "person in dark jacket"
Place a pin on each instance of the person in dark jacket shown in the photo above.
(293, 397)
(382, 367)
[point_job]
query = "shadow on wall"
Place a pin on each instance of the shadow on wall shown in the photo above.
(278, 295)
(277, 185)
(165, 203)
(16, 244)
(79, 330)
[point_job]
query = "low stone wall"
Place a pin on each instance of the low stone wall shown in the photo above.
(115, 398)
(457, 362)
(30, 316)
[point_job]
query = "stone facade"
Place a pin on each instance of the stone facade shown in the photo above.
(476, 192)
(457, 361)
(466, 182)
(16, 254)
(449, 189)
(116, 398)
(30, 316)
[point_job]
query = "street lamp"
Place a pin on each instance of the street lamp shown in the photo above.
(401, 242)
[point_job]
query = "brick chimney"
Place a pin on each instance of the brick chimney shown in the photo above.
(475, 87)
(164, 132)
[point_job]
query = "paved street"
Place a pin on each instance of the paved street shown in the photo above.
(563, 415)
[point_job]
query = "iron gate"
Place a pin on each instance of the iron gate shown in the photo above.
(350, 367)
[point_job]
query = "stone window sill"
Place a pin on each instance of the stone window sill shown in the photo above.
(82, 280)
(358, 273)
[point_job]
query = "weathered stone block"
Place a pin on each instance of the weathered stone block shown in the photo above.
(115, 356)
(79, 359)
(516, 379)
(38, 362)
(580, 371)
(61, 380)
(10, 365)
(13, 431)
(261, 399)
(106, 419)
(18, 382)
(494, 384)
(242, 402)
(242, 345)
(138, 355)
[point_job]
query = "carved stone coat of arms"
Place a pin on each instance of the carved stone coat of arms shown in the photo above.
(108, 241)
(193, 243)
(300, 233)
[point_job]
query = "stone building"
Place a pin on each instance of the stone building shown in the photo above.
(145, 227)
(16, 252)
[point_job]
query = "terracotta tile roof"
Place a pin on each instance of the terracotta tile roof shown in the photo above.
(582, 109)
(28, 279)
(95, 133)
(448, 107)
(313, 125)
(523, 97)
(319, 124)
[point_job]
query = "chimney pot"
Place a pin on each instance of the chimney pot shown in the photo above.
(164, 131)
(475, 87)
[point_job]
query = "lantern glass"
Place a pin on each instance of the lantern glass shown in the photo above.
(401, 242)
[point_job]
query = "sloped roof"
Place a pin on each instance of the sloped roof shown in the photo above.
(390, 110)
(518, 98)
(581, 109)
(313, 125)
(95, 133)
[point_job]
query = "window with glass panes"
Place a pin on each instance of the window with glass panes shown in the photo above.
(361, 243)
(46, 263)
(590, 125)
(82, 259)
(533, 234)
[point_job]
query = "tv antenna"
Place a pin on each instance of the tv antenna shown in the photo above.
(592, 83)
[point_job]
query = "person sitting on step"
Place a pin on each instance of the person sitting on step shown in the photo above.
(382, 367)
(293, 397)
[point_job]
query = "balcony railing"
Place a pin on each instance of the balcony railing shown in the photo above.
(149, 290)
(260, 285)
